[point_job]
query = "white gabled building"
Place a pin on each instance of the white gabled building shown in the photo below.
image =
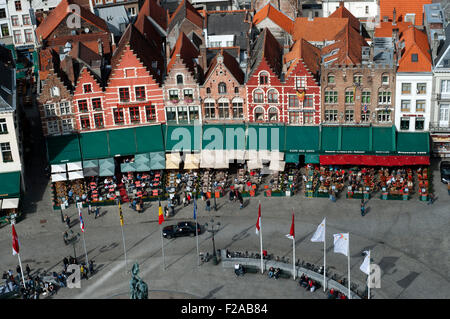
(11, 176)
(413, 82)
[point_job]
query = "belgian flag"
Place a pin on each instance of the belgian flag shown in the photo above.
(160, 214)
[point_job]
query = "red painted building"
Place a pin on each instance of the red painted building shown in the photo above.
(302, 86)
(264, 89)
(133, 94)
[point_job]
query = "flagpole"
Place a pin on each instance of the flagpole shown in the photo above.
(85, 251)
(21, 271)
(348, 254)
(324, 259)
(260, 241)
(368, 280)
(196, 231)
(124, 249)
(293, 251)
(162, 245)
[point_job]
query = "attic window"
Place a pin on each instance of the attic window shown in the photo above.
(179, 79)
(54, 91)
(87, 88)
(414, 57)
(130, 73)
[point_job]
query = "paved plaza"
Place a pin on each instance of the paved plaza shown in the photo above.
(409, 240)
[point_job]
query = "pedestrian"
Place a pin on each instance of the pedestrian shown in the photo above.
(18, 269)
(66, 263)
(89, 209)
(141, 203)
(188, 198)
(67, 219)
(172, 210)
(448, 188)
(241, 203)
(138, 207)
(208, 205)
(28, 270)
(362, 207)
(231, 196)
(430, 199)
(91, 266)
(97, 211)
(133, 204)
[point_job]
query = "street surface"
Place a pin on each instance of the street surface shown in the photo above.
(409, 240)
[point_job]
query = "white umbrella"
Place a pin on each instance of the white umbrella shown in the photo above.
(59, 177)
(75, 175)
(74, 166)
(58, 168)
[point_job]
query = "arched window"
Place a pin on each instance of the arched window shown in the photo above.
(273, 114)
(272, 96)
(263, 78)
(179, 79)
(236, 89)
(208, 90)
(259, 114)
(222, 88)
(258, 96)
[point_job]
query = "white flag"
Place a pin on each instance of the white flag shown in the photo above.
(319, 235)
(341, 243)
(365, 266)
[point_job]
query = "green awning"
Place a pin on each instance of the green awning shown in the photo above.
(142, 162)
(292, 158)
(157, 160)
(63, 149)
(383, 139)
(128, 167)
(10, 184)
(235, 138)
(107, 167)
(330, 138)
(312, 159)
(356, 139)
(149, 139)
(413, 143)
(185, 138)
(12, 48)
(213, 137)
(265, 137)
(94, 145)
(122, 142)
(302, 139)
(90, 163)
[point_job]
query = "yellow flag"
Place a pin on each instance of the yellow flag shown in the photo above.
(120, 215)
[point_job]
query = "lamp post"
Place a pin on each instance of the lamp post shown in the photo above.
(213, 230)
(214, 195)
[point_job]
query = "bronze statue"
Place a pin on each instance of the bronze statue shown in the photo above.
(138, 288)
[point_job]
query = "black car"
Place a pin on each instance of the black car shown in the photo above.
(180, 229)
(445, 172)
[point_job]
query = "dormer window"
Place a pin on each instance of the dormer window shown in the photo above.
(54, 91)
(414, 57)
(179, 79)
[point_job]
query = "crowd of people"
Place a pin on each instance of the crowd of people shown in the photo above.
(397, 181)
(308, 283)
(360, 179)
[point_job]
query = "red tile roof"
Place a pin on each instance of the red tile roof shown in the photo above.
(416, 42)
(385, 29)
(151, 9)
(342, 12)
(402, 7)
(318, 29)
(144, 50)
(58, 14)
(277, 17)
(304, 50)
(187, 52)
(186, 10)
(230, 63)
(349, 44)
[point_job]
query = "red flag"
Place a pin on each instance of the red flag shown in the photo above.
(258, 222)
(15, 241)
(160, 214)
(291, 234)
